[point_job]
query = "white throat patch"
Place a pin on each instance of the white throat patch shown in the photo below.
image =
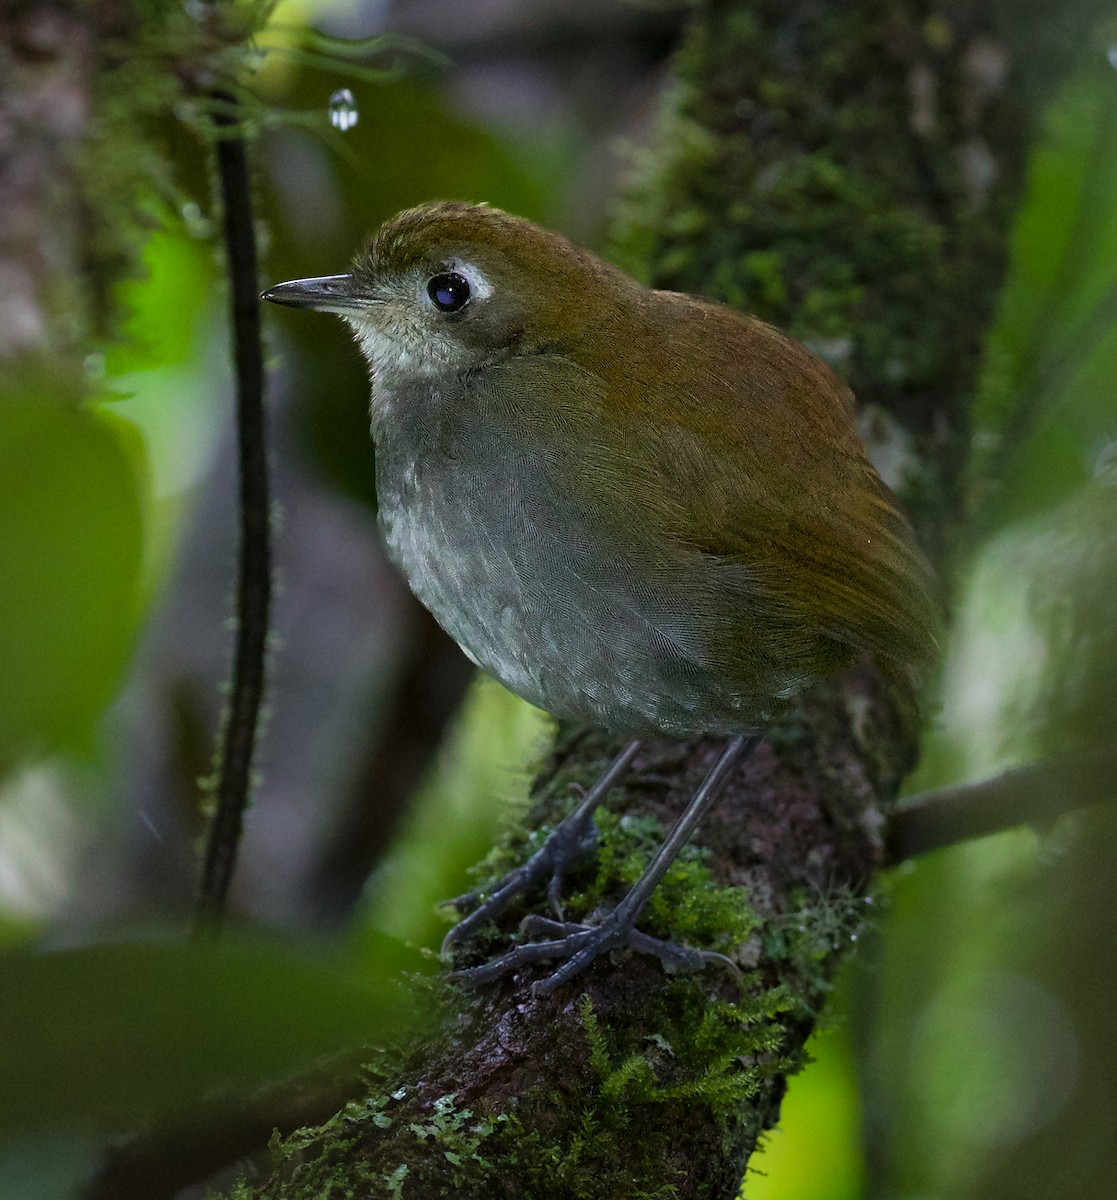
(403, 334)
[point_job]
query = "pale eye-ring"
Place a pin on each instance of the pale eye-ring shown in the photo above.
(449, 291)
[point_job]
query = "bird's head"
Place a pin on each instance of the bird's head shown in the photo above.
(450, 287)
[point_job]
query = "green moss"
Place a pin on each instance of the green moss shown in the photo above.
(687, 907)
(813, 934)
(715, 1053)
(786, 180)
(347, 1157)
(684, 1058)
(157, 64)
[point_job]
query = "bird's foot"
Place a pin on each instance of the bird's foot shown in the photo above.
(570, 841)
(579, 945)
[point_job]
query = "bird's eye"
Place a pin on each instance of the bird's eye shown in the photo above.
(449, 291)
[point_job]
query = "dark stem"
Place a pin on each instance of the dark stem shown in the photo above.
(1039, 792)
(238, 736)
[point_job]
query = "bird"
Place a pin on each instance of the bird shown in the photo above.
(638, 509)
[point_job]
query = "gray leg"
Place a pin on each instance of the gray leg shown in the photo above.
(580, 945)
(567, 843)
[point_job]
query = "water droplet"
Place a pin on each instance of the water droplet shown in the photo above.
(94, 365)
(1111, 55)
(197, 223)
(343, 110)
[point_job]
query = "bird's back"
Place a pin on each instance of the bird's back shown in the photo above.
(681, 554)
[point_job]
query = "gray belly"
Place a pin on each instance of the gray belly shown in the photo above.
(511, 571)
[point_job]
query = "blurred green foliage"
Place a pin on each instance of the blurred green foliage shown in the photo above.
(982, 1040)
(977, 1009)
(104, 1035)
(1047, 406)
(92, 473)
(73, 493)
(815, 1153)
(479, 776)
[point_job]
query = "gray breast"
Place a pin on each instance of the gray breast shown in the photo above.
(514, 569)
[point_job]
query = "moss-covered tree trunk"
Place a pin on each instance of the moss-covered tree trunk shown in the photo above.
(850, 172)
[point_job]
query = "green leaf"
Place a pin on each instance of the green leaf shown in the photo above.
(106, 1035)
(72, 495)
(1045, 409)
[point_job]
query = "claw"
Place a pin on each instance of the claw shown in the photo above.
(530, 952)
(535, 923)
(568, 842)
(613, 934)
(580, 945)
(553, 856)
(515, 882)
(465, 901)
